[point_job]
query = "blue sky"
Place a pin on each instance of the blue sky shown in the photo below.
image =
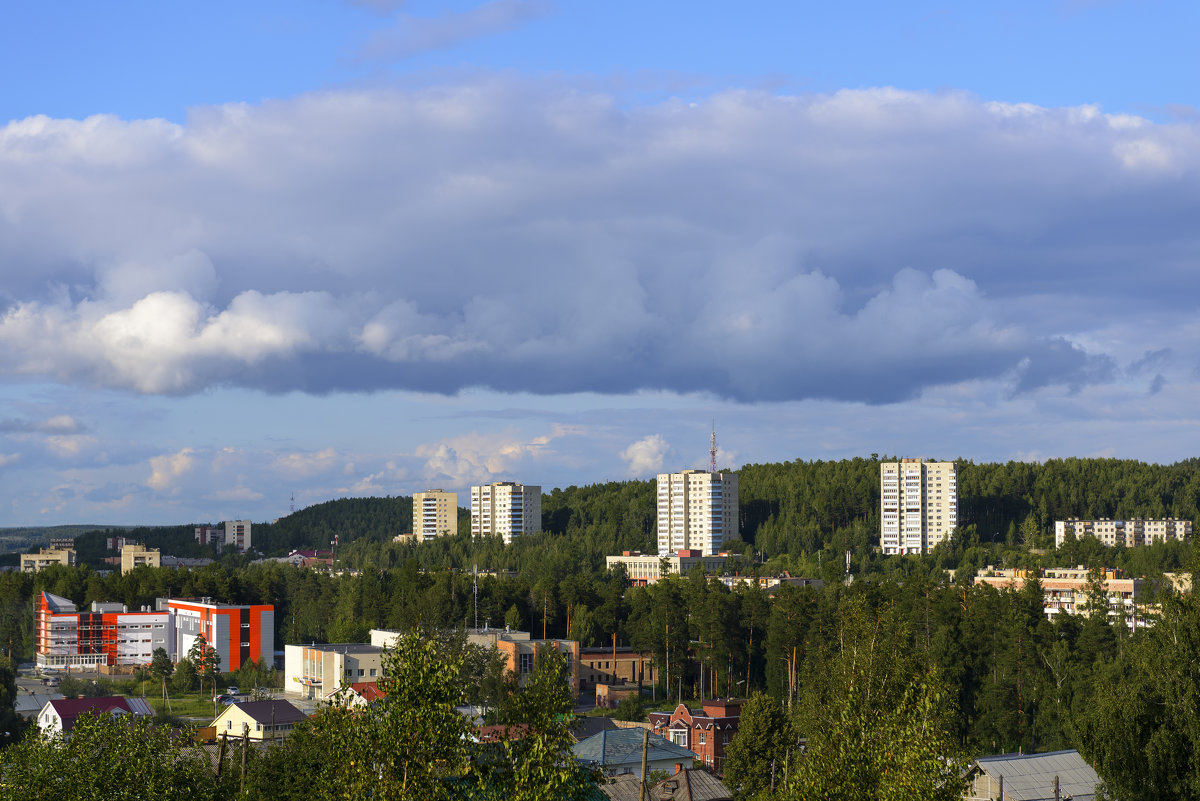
(365, 248)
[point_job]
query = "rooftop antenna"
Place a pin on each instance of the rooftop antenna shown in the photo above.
(712, 449)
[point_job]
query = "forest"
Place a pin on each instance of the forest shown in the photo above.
(1009, 678)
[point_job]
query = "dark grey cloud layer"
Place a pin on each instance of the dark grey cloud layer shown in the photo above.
(865, 245)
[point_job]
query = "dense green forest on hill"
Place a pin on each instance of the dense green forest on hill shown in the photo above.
(1012, 678)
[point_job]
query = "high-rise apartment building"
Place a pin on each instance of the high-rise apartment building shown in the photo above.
(237, 535)
(507, 509)
(697, 510)
(435, 512)
(919, 505)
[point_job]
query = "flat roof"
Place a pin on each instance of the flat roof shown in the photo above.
(345, 647)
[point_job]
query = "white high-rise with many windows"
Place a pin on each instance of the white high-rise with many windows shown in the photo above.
(918, 505)
(507, 509)
(697, 510)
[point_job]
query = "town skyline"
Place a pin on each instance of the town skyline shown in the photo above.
(332, 249)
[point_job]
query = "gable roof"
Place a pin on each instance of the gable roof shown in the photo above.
(69, 709)
(268, 711)
(687, 785)
(624, 747)
(1030, 777)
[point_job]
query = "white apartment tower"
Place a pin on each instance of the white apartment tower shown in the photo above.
(506, 508)
(435, 512)
(697, 510)
(918, 505)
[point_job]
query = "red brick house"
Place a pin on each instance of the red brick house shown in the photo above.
(706, 732)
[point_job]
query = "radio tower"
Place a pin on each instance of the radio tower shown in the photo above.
(292, 508)
(712, 449)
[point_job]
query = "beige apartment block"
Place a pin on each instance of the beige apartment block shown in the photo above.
(133, 556)
(506, 509)
(1065, 590)
(1129, 533)
(697, 511)
(642, 569)
(435, 514)
(918, 505)
(33, 562)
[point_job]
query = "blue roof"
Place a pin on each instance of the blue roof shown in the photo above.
(624, 747)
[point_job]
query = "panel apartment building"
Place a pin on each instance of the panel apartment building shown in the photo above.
(435, 513)
(697, 511)
(506, 509)
(232, 533)
(918, 505)
(1129, 533)
(112, 634)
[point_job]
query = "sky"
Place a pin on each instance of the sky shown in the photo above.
(258, 255)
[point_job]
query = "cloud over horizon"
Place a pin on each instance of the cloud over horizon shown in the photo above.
(864, 245)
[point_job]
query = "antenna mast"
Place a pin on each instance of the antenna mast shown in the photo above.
(476, 585)
(292, 507)
(712, 449)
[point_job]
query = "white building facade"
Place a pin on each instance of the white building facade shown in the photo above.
(506, 509)
(918, 505)
(697, 511)
(1129, 533)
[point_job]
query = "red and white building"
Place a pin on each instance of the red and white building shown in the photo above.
(111, 634)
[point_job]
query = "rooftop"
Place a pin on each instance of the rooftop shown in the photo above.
(276, 712)
(1030, 777)
(624, 747)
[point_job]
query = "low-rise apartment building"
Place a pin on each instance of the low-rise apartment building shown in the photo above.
(33, 562)
(1065, 590)
(643, 569)
(706, 732)
(314, 671)
(1129, 533)
(135, 556)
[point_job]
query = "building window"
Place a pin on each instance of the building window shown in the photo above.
(703, 738)
(725, 738)
(679, 737)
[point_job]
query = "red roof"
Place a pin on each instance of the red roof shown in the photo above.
(68, 709)
(369, 690)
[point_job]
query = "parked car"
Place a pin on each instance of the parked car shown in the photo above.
(232, 690)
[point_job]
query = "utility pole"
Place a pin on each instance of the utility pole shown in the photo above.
(645, 750)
